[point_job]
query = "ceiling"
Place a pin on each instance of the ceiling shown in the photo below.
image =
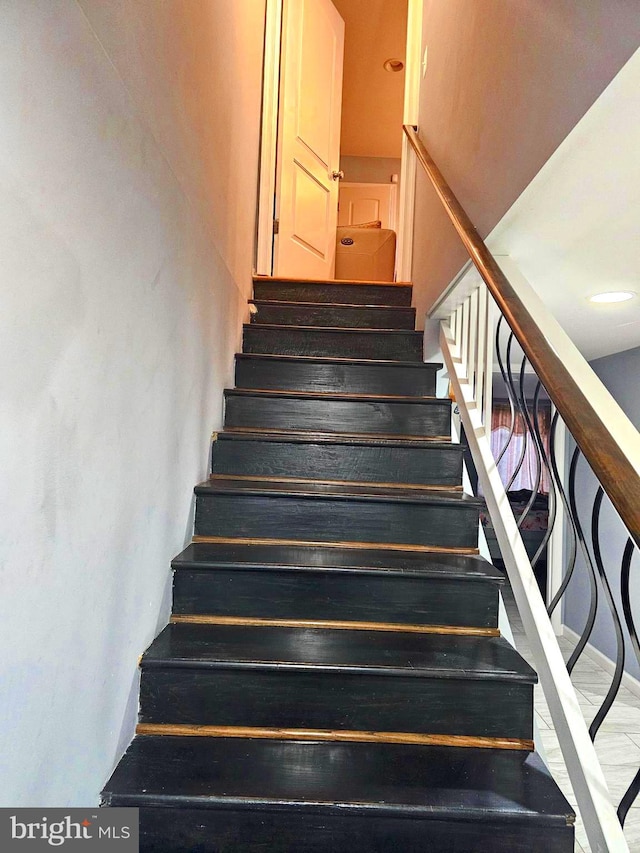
(575, 230)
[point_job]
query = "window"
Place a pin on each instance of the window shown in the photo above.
(526, 475)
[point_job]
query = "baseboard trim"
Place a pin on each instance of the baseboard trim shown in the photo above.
(629, 681)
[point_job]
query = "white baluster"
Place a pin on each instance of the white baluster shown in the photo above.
(472, 353)
(481, 374)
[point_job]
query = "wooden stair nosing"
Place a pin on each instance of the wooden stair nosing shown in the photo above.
(286, 303)
(259, 478)
(314, 490)
(332, 624)
(333, 736)
(272, 279)
(414, 334)
(343, 397)
(336, 438)
(374, 436)
(368, 546)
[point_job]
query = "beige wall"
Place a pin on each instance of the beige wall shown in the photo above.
(128, 163)
(372, 98)
(375, 170)
(505, 83)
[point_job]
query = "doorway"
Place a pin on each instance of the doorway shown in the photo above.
(367, 134)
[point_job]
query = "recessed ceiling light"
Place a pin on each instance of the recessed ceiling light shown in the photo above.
(393, 65)
(613, 296)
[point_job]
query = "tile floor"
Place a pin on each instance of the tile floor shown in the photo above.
(617, 742)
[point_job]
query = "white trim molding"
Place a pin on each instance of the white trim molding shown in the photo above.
(408, 168)
(269, 136)
(629, 681)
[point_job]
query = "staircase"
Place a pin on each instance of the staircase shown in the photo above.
(333, 678)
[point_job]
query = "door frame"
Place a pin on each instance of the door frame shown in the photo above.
(269, 139)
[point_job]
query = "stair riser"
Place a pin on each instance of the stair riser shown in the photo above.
(330, 520)
(174, 830)
(342, 462)
(396, 346)
(345, 317)
(359, 417)
(346, 294)
(273, 375)
(276, 594)
(224, 696)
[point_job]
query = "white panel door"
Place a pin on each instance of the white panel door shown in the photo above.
(361, 203)
(308, 139)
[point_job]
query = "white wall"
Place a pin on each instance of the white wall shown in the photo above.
(126, 237)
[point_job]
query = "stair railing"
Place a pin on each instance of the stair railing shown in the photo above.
(491, 315)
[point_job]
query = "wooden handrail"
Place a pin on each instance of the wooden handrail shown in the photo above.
(617, 475)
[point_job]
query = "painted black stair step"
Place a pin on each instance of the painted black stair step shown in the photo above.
(358, 561)
(308, 456)
(303, 582)
(354, 293)
(352, 376)
(334, 342)
(324, 512)
(390, 653)
(218, 795)
(350, 680)
(283, 593)
(332, 315)
(337, 413)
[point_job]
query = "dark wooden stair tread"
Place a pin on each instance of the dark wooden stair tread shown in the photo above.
(340, 330)
(432, 783)
(345, 651)
(288, 303)
(305, 359)
(313, 558)
(332, 395)
(335, 491)
(425, 444)
(332, 282)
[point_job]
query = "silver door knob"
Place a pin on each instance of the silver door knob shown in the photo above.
(337, 176)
